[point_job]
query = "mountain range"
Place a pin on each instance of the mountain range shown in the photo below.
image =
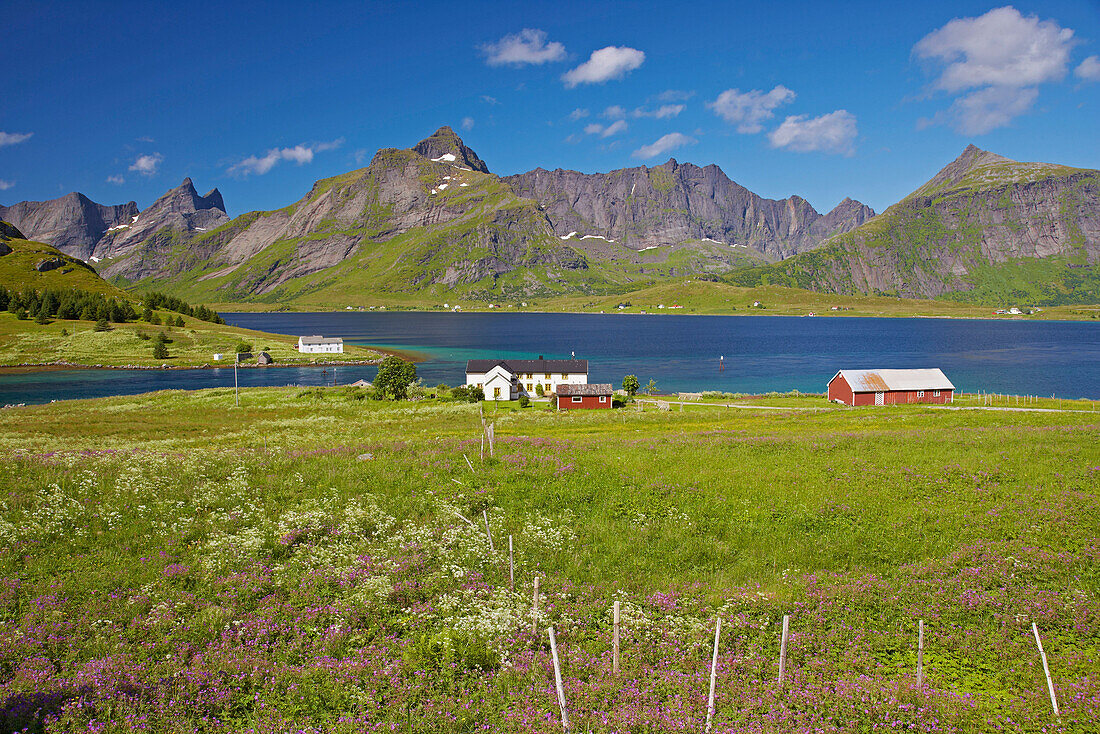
(432, 221)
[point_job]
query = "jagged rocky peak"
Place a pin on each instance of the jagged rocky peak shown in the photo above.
(444, 145)
(72, 223)
(184, 198)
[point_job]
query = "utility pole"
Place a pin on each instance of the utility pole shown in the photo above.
(236, 388)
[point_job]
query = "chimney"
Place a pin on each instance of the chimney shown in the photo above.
(540, 356)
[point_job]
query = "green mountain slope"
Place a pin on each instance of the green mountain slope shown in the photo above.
(28, 265)
(984, 229)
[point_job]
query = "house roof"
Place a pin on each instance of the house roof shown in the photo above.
(320, 340)
(883, 380)
(593, 389)
(517, 366)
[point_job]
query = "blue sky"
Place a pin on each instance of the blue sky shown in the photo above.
(122, 100)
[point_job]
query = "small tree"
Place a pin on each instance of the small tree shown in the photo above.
(539, 390)
(631, 384)
(476, 394)
(41, 319)
(101, 325)
(394, 377)
(20, 313)
(651, 387)
(524, 401)
(160, 349)
(244, 347)
(147, 314)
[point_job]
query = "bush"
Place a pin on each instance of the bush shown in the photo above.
(101, 325)
(524, 401)
(394, 377)
(243, 347)
(460, 393)
(539, 390)
(476, 395)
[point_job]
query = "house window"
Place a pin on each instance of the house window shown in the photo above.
(496, 392)
(577, 399)
(603, 398)
(564, 376)
(529, 388)
(546, 387)
(547, 375)
(920, 393)
(935, 393)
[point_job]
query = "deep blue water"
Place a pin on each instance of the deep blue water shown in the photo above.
(761, 353)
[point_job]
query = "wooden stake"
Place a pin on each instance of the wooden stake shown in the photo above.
(535, 608)
(463, 517)
(615, 641)
(511, 566)
(713, 674)
(489, 535)
(469, 463)
(557, 679)
(783, 648)
(920, 652)
(1046, 669)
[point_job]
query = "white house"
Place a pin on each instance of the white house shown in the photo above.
(508, 379)
(320, 344)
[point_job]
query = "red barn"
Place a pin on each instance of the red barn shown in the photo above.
(890, 387)
(585, 397)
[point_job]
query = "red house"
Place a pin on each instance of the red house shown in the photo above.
(585, 397)
(890, 387)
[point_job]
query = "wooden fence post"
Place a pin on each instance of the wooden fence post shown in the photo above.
(713, 674)
(511, 566)
(920, 652)
(488, 534)
(783, 648)
(615, 641)
(1046, 670)
(535, 609)
(557, 679)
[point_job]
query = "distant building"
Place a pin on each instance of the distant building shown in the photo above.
(509, 379)
(584, 397)
(359, 383)
(320, 345)
(264, 358)
(890, 387)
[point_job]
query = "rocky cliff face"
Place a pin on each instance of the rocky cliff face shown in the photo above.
(81, 228)
(644, 207)
(953, 234)
(74, 223)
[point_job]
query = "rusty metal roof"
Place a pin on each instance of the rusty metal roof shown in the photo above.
(886, 380)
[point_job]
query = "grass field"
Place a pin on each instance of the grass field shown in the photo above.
(192, 345)
(170, 563)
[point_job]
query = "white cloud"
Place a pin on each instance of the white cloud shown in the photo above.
(614, 112)
(467, 123)
(613, 62)
(1000, 48)
(675, 95)
(147, 165)
(663, 112)
(489, 100)
(146, 139)
(529, 46)
(1003, 56)
(117, 180)
(595, 128)
(663, 145)
(360, 155)
(13, 138)
(988, 109)
(578, 114)
(748, 110)
(5, 185)
(832, 133)
(1089, 69)
(300, 154)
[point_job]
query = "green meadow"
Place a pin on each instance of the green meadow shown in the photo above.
(314, 560)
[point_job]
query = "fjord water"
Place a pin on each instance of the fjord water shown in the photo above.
(682, 353)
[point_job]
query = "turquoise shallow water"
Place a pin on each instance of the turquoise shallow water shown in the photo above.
(761, 353)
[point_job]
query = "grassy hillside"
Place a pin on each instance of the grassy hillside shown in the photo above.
(171, 563)
(193, 345)
(17, 270)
